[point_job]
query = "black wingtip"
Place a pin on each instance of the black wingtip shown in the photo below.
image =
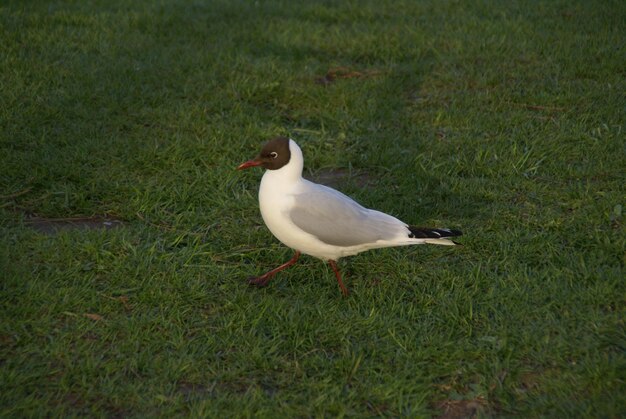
(432, 233)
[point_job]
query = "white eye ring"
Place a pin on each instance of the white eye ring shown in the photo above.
(273, 154)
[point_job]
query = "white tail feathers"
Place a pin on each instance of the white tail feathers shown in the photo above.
(444, 242)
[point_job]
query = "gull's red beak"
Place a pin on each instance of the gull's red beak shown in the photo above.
(249, 163)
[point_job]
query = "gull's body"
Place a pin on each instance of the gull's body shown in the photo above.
(319, 221)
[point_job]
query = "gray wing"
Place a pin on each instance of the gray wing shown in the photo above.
(337, 220)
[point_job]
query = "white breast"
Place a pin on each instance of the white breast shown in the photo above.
(276, 198)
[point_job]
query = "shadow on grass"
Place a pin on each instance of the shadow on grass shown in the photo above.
(52, 226)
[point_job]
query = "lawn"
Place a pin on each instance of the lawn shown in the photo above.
(127, 235)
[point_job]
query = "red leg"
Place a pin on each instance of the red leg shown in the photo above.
(263, 280)
(333, 265)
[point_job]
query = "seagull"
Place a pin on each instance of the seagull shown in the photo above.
(321, 222)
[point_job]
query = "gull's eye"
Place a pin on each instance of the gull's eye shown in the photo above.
(273, 154)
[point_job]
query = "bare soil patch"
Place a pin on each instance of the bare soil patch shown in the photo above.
(339, 177)
(456, 409)
(337, 73)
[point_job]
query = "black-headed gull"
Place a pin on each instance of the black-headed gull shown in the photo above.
(319, 221)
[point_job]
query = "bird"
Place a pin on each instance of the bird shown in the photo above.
(322, 222)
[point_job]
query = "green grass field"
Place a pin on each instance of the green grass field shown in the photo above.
(503, 119)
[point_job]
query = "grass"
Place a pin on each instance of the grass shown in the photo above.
(505, 120)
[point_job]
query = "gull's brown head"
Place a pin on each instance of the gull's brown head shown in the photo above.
(274, 155)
